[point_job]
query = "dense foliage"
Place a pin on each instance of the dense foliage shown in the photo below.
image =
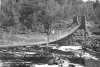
(23, 16)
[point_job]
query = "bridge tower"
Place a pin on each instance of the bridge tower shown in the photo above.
(81, 34)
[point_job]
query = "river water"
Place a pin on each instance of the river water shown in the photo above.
(90, 59)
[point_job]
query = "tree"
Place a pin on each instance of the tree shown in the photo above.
(46, 20)
(7, 14)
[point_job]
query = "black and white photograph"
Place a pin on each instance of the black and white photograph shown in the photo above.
(49, 33)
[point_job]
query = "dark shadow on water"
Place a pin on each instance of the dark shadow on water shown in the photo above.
(76, 60)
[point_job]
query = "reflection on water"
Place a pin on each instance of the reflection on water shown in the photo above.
(1, 63)
(64, 64)
(71, 62)
(69, 57)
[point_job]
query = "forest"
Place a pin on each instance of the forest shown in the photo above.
(24, 16)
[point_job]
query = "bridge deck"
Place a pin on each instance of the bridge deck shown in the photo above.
(25, 40)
